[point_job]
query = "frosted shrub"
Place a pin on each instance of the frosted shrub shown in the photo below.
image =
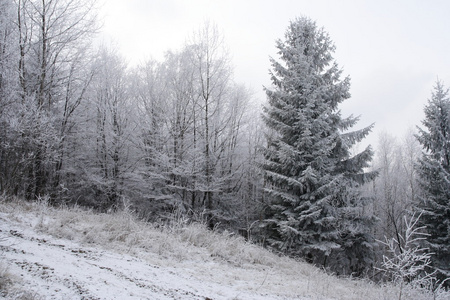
(408, 263)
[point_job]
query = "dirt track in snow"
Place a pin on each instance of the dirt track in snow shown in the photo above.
(69, 271)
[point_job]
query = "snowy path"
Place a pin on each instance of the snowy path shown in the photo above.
(62, 269)
(69, 271)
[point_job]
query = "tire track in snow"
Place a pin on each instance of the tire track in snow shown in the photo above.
(68, 270)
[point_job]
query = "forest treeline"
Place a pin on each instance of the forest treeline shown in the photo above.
(180, 135)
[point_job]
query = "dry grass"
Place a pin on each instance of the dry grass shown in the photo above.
(5, 277)
(10, 286)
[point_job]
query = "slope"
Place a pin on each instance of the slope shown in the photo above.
(49, 253)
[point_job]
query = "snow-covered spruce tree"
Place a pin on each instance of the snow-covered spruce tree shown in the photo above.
(434, 177)
(314, 209)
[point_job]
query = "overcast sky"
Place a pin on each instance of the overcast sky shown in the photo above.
(393, 51)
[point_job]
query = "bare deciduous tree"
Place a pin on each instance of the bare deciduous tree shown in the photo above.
(52, 39)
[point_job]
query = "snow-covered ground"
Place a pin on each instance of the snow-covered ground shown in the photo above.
(62, 269)
(49, 253)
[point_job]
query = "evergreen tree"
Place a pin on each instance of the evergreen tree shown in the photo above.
(434, 178)
(314, 207)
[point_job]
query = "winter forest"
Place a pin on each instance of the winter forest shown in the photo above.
(180, 137)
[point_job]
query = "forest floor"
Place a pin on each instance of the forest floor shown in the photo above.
(48, 253)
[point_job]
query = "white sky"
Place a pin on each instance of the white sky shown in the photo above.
(392, 50)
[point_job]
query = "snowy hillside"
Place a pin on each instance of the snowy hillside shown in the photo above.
(49, 253)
